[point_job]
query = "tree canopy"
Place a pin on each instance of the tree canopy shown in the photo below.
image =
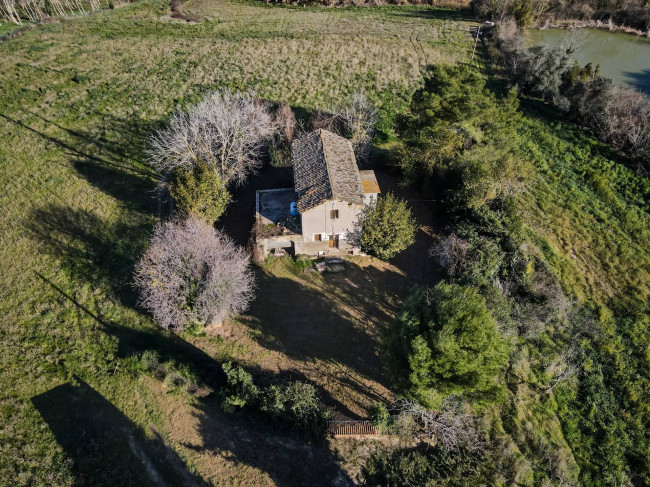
(199, 191)
(193, 274)
(459, 131)
(444, 342)
(386, 227)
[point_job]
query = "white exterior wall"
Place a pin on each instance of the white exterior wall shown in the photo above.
(317, 220)
(369, 198)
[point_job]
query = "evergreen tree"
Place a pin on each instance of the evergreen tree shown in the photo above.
(387, 227)
(444, 342)
(199, 191)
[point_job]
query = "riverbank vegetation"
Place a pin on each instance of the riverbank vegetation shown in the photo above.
(565, 369)
(634, 14)
(617, 115)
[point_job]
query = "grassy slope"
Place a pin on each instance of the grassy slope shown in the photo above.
(76, 100)
(591, 210)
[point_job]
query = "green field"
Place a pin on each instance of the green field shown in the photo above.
(77, 99)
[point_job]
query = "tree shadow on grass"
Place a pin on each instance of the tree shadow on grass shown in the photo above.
(100, 251)
(108, 155)
(244, 438)
(286, 458)
(433, 13)
(105, 446)
(571, 132)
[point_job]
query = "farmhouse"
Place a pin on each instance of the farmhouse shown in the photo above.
(318, 213)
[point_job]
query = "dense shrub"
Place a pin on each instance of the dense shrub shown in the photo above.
(634, 13)
(199, 191)
(423, 467)
(444, 342)
(297, 404)
(378, 414)
(241, 390)
(385, 227)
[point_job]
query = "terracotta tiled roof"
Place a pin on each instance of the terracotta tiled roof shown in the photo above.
(324, 168)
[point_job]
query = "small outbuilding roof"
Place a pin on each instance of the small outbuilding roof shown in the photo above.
(369, 182)
(324, 168)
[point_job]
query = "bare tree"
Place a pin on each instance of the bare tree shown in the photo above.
(356, 121)
(562, 369)
(192, 273)
(453, 254)
(226, 131)
(285, 121)
(452, 427)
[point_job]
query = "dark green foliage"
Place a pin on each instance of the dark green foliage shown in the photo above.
(379, 415)
(199, 191)
(424, 467)
(387, 227)
(494, 233)
(444, 342)
(607, 414)
(297, 404)
(461, 134)
(241, 390)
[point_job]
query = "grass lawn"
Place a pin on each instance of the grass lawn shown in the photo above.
(77, 98)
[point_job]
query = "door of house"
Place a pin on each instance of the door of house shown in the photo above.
(334, 241)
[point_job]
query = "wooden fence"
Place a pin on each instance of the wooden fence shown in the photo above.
(352, 428)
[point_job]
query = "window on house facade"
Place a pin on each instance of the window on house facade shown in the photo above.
(334, 214)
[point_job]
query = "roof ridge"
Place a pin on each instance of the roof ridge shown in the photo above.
(327, 164)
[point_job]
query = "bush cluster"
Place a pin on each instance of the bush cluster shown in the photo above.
(293, 403)
(634, 13)
(446, 342)
(424, 466)
(385, 228)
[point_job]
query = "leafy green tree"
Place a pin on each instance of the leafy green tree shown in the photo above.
(444, 342)
(386, 227)
(459, 133)
(199, 191)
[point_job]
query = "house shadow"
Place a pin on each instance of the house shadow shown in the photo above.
(341, 322)
(415, 261)
(106, 448)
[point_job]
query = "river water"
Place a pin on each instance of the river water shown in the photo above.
(623, 57)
